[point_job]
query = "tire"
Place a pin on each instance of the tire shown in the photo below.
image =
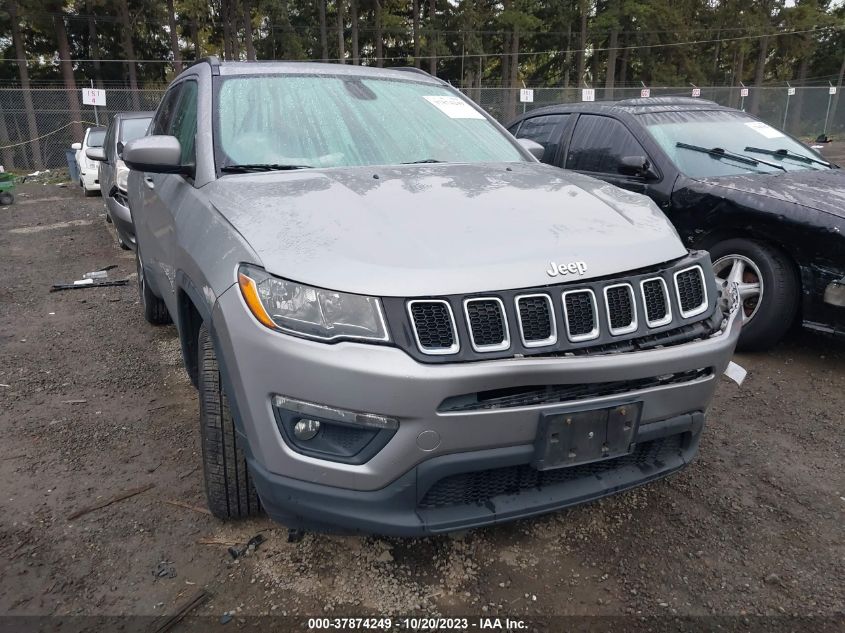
(228, 483)
(155, 310)
(6, 198)
(768, 315)
(89, 193)
(122, 243)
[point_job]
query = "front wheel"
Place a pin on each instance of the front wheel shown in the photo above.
(228, 484)
(767, 285)
(6, 198)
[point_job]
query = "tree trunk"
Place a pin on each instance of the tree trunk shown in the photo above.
(379, 36)
(37, 160)
(324, 32)
(226, 17)
(247, 17)
(567, 58)
(759, 75)
(234, 30)
(195, 36)
(623, 64)
(341, 25)
(796, 110)
(432, 38)
(353, 5)
(416, 22)
(514, 72)
(582, 54)
(8, 156)
(129, 52)
(834, 104)
(174, 38)
(94, 45)
(610, 76)
(67, 74)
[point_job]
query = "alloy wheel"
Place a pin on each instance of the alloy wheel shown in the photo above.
(742, 271)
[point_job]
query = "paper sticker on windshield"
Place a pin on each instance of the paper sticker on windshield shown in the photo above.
(454, 107)
(766, 130)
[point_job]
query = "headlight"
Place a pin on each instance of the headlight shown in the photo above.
(314, 313)
(121, 174)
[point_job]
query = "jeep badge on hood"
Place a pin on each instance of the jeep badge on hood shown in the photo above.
(571, 268)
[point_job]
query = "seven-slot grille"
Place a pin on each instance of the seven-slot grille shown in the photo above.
(486, 318)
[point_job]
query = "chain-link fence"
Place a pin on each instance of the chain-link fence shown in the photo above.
(35, 135)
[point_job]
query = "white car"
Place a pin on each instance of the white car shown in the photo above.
(89, 178)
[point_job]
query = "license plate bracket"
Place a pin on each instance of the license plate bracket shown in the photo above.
(570, 438)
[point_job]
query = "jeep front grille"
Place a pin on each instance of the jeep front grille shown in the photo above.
(434, 326)
(570, 318)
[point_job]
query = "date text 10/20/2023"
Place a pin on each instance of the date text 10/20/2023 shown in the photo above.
(418, 624)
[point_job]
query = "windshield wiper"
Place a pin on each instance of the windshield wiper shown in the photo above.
(785, 153)
(718, 152)
(253, 167)
(424, 160)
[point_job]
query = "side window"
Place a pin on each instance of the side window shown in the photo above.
(545, 130)
(599, 143)
(164, 114)
(184, 123)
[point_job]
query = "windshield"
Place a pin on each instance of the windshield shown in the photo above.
(735, 132)
(130, 129)
(96, 137)
(325, 121)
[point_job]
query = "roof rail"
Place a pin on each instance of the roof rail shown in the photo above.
(410, 69)
(211, 60)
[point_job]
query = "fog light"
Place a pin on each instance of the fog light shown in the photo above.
(306, 429)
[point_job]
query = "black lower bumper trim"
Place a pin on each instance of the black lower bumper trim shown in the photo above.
(399, 508)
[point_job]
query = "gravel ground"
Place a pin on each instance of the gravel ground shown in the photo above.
(94, 402)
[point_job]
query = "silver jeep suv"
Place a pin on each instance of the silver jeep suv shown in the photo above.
(397, 319)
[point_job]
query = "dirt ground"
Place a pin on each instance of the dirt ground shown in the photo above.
(94, 402)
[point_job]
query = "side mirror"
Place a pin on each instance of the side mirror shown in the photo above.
(120, 149)
(533, 147)
(76, 146)
(95, 153)
(158, 154)
(636, 166)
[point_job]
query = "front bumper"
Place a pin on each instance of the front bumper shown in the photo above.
(117, 206)
(384, 494)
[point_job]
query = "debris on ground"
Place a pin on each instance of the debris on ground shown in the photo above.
(118, 497)
(81, 284)
(165, 569)
(251, 545)
(189, 605)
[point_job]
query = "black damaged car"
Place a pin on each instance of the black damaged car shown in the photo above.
(770, 210)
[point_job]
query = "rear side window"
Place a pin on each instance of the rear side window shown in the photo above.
(599, 143)
(545, 130)
(164, 114)
(184, 122)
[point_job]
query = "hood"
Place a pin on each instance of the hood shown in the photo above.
(421, 230)
(820, 190)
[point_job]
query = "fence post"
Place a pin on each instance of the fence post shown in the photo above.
(789, 92)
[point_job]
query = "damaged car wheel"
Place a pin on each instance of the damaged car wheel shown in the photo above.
(767, 286)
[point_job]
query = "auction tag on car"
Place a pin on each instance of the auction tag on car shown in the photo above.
(454, 107)
(766, 130)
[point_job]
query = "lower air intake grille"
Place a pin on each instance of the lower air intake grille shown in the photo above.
(481, 486)
(690, 285)
(486, 322)
(513, 397)
(433, 325)
(580, 315)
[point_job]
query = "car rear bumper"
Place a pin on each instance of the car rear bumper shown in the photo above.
(90, 180)
(384, 494)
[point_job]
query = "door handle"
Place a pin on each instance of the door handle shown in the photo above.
(149, 182)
